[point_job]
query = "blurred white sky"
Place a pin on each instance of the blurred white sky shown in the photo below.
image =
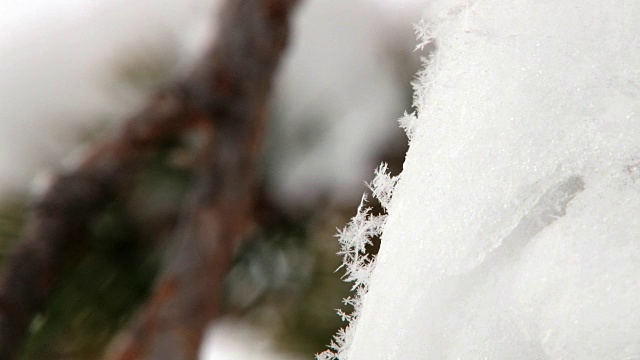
(18, 15)
(57, 56)
(21, 15)
(57, 61)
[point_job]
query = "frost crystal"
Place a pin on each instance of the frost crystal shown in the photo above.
(358, 265)
(382, 185)
(407, 122)
(425, 33)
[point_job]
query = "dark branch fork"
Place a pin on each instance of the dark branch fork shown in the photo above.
(226, 94)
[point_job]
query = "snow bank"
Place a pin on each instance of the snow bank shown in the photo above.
(513, 232)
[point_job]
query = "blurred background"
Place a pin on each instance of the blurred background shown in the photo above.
(70, 69)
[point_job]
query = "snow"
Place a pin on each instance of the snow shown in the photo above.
(358, 265)
(512, 232)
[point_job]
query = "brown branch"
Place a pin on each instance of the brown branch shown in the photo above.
(234, 85)
(59, 220)
(227, 93)
(231, 88)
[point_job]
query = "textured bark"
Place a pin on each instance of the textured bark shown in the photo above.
(226, 97)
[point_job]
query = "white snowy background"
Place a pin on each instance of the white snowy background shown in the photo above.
(513, 231)
(57, 61)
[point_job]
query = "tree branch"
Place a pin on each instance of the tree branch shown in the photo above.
(231, 88)
(60, 218)
(227, 95)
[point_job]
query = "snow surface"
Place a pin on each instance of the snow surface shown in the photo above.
(513, 231)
